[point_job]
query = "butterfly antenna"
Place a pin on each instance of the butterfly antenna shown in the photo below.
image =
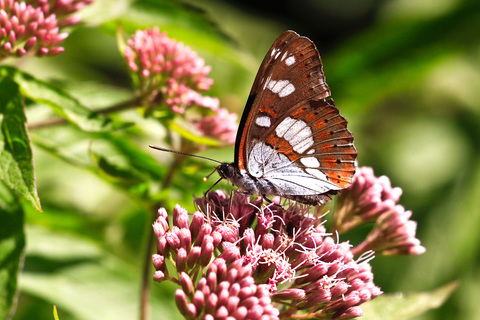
(208, 176)
(185, 154)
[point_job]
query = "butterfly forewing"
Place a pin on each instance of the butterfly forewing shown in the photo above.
(290, 135)
(290, 73)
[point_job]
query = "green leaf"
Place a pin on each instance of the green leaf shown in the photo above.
(401, 306)
(103, 11)
(55, 313)
(185, 22)
(87, 281)
(124, 161)
(60, 101)
(16, 162)
(12, 243)
(113, 158)
(189, 135)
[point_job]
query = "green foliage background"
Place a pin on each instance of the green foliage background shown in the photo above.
(409, 84)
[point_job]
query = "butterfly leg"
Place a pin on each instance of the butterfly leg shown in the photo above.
(268, 200)
(271, 202)
(210, 189)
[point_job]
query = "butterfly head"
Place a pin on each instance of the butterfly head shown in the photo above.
(226, 170)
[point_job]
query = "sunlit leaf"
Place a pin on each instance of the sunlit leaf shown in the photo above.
(402, 306)
(55, 313)
(12, 243)
(16, 163)
(184, 22)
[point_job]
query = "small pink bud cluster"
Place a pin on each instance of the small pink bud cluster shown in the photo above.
(225, 290)
(284, 253)
(228, 291)
(26, 29)
(372, 199)
(222, 125)
(179, 97)
(160, 63)
(62, 9)
(168, 72)
(333, 279)
(188, 245)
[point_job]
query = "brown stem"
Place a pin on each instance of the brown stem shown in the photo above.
(147, 262)
(146, 276)
(125, 105)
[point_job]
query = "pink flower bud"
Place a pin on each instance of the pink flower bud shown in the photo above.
(193, 256)
(187, 284)
(185, 238)
(181, 260)
(159, 276)
(158, 262)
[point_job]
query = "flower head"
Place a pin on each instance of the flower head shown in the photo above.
(164, 67)
(222, 125)
(372, 199)
(289, 257)
(25, 29)
(365, 200)
(393, 234)
(228, 291)
(169, 73)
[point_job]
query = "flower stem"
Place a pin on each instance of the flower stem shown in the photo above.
(146, 276)
(124, 105)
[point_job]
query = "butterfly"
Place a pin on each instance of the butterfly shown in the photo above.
(292, 141)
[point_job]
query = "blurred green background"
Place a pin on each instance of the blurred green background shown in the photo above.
(405, 73)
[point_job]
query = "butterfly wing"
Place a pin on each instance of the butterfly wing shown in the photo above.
(290, 134)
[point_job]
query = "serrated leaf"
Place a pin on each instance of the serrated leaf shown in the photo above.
(401, 306)
(60, 101)
(12, 243)
(16, 161)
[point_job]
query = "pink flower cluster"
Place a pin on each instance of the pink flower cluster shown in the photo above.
(372, 199)
(224, 290)
(179, 96)
(166, 71)
(29, 29)
(289, 260)
(227, 291)
(163, 63)
(25, 29)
